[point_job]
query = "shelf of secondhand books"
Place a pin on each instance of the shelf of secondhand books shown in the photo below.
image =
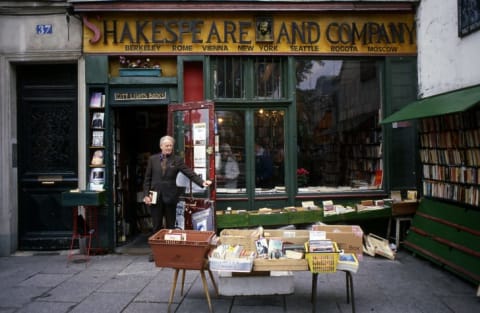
(299, 215)
(96, 135)
(450, 156)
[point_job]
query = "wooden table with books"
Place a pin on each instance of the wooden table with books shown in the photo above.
(246, 254)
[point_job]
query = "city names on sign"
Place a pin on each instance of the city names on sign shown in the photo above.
(385, 34)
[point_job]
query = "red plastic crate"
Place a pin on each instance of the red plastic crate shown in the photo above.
(190, 253)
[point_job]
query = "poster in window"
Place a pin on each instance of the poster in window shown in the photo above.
(468, 16)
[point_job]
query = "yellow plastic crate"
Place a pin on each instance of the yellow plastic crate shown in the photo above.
(322, 262)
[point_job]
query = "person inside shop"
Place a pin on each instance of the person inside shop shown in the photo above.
(160, 177)
(263, 167)
(228, 171)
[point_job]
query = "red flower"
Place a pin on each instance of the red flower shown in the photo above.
(302, 172)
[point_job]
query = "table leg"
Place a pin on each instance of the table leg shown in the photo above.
(183, 281)
(172, 291)
(397, 232)
(213, 282)
(313, 298)
(350, 295)
(205, 287)
(389, 227)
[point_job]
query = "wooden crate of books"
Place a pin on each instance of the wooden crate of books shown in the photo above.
(260, 264)
(242, 237)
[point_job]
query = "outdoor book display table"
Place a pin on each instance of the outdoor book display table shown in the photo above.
(189, 250)
(316, 263)
(183, 250)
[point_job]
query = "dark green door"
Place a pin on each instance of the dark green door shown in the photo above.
(47, 153)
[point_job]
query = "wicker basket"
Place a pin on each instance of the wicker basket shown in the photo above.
(322, 262)
(243, 237)
(190, 253)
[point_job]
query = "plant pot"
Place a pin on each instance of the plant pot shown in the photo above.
(142, 72)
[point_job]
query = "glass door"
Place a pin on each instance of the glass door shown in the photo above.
(192, 125)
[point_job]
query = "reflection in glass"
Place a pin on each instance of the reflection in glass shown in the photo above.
(230, 151)
(268, 78)
(339, 137)
(269, 149)
(228, 77)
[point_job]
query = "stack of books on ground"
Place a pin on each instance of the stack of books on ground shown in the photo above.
(347, 262)
(231, 259)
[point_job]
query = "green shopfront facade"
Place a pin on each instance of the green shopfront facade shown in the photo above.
(299, 91)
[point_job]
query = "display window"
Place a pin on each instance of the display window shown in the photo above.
(338, 146)
(339, 136)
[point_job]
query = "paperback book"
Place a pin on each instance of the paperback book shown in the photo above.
(347, 262)
(97, 138)
(275, 248)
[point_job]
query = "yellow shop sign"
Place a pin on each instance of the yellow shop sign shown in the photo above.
(332, 34)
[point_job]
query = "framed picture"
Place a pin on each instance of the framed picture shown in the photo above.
(468, 16)
(264, 29)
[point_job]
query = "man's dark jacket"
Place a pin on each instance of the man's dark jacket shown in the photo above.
(165, 184)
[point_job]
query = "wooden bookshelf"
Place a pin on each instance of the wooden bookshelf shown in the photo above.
(450, 157)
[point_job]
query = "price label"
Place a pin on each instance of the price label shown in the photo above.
(43, 29)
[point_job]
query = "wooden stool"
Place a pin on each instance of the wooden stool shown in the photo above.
(204, 282)
(398, 221)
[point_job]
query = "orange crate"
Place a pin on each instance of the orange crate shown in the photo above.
(188, 253)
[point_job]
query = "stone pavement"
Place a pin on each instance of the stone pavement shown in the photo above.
(129, 283)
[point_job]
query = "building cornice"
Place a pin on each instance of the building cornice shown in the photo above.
(242, 6)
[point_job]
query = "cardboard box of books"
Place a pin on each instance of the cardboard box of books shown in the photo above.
(349, 238)
(294, 236)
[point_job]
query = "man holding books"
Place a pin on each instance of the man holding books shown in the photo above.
(160, 180)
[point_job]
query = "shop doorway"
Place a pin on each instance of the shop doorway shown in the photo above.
(136, 135)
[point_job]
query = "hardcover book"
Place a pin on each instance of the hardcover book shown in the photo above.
(96, 100)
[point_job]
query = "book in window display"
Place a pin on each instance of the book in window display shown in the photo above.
(97, 158)
(97, 138)
(96, 100)
(97, 120)
(97, 178)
